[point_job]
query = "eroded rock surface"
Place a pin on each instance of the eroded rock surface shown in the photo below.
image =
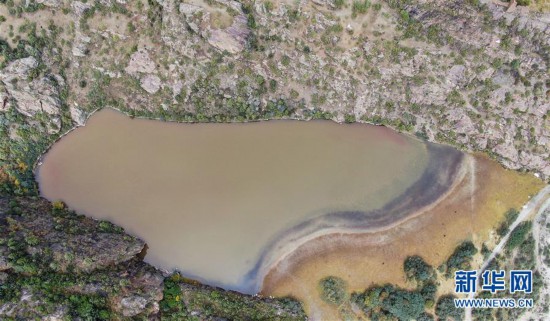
(58, 265)
(471, 75)
(29, 93)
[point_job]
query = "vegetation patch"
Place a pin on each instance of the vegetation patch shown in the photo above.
(518, 235)
(461, 258)
(333, 290)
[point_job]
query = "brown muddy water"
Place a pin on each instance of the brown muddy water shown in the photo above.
(222, 203)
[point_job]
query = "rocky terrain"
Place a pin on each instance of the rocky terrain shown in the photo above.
(58, 265)
(467, 73)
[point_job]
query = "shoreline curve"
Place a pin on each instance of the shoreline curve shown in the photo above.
(446, 168)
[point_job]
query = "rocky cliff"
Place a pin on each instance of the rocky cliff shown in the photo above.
(469, 73)
(58, 265)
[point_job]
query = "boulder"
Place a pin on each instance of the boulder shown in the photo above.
(140, 62)
(80, 46)
(80, 7)
(50, 3)
(91, 252)
(78, 116)
(151, 83)
(30, 97)
(133, 305)
(233, 38)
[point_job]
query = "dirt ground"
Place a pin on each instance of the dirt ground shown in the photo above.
(470, 212)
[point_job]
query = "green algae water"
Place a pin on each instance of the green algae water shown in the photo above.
(211, 200)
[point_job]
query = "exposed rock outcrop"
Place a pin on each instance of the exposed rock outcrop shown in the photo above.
(231, 39)
(92, 258)
(20, 90)
(58, 265)
(467, 74)
(151, 83)
(140, 62)
(50, 3)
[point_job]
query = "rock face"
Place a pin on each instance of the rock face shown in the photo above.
(50, 3)
(88, 249)
(140, 62)
(133, 305)
(30, 96)
(231, 39)
(94, 258)
(137, 297)
(58, 265)
(78, 116)
(470, 75)
(253, 308)
(151, 83)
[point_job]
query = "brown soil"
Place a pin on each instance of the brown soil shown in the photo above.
(472, 212)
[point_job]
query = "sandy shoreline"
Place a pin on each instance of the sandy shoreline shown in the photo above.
(470, 211)
(404, 208)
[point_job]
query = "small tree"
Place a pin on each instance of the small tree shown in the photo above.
(417, 269)
(333, 290)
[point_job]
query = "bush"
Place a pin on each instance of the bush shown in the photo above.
(518, 235)
(415, 268)
(428, 291)
(333, 290)
(510, 217)
(446, 310)
(389, 300)
(349, 118)
(425, 317)
(460, 259)
(360, 7)
(58, 205)
(89, 307)
(172, 306)
(405, 305)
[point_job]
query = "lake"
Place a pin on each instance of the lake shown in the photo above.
(223, 202)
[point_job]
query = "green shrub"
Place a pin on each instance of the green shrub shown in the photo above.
(390, 301)
(509, 218)
(89, 307)
(405, 305)
(171, 306)
(333, 290)
(518, 235)
(461, 257)
(360, 7)
(445, 309)
(416, 268)
(349, 118)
